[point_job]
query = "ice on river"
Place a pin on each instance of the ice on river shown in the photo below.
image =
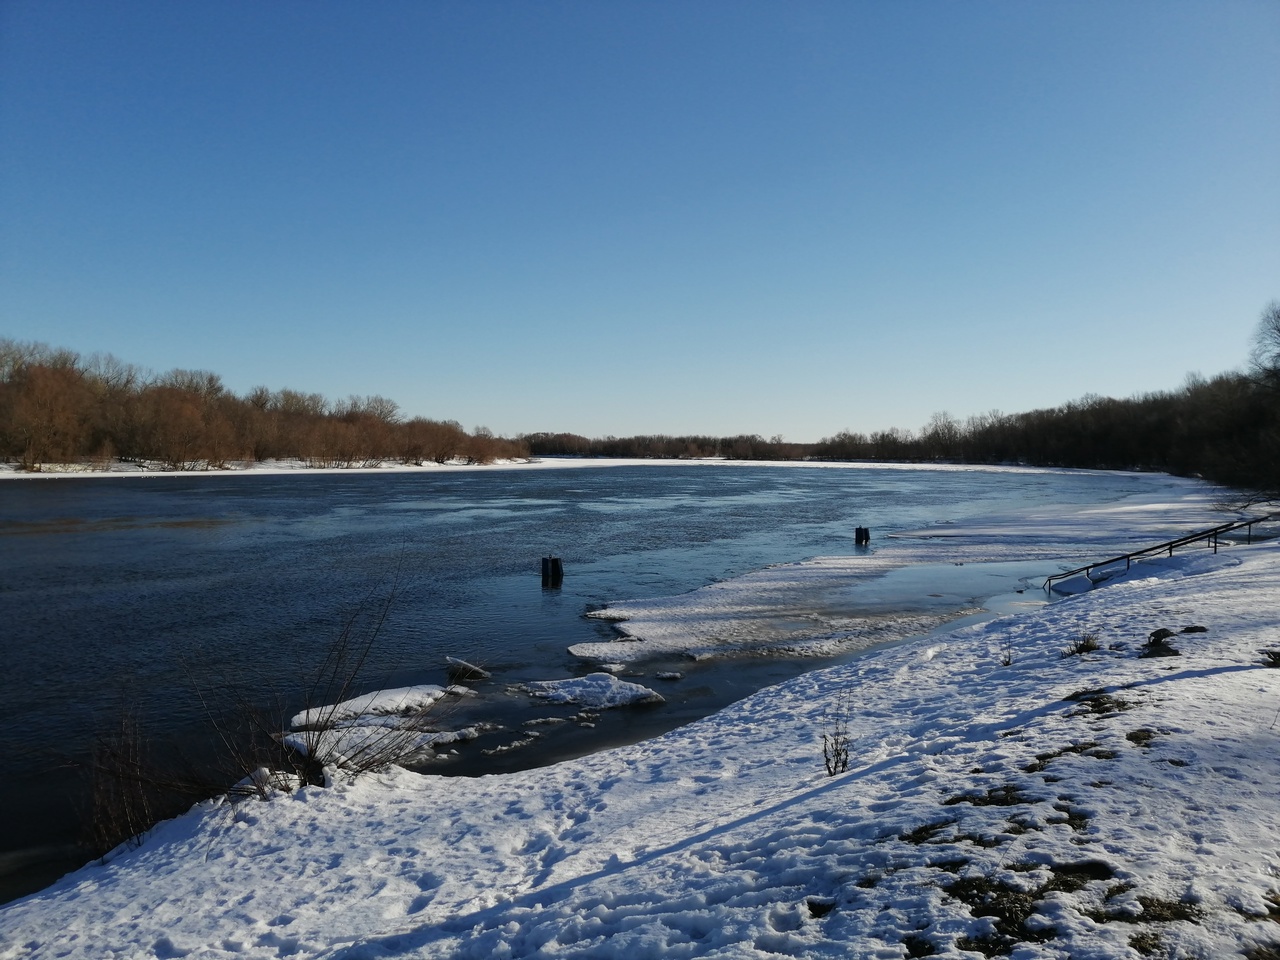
(827, 606)
(598, 690)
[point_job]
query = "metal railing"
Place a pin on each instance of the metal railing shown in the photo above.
(1211, 535)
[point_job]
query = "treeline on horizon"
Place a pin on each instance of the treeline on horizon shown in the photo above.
(1226, 429)
(57, 407)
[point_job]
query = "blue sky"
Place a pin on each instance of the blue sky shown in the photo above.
(647, 217)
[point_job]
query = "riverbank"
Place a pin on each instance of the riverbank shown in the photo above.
(259, 468)
(1007, 788)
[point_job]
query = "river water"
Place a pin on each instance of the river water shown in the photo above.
(151, 592)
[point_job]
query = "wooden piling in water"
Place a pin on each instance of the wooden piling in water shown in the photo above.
(552, 572)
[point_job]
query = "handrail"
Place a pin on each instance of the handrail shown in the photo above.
(1211, 534)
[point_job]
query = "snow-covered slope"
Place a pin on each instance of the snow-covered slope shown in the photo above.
(1003, 795)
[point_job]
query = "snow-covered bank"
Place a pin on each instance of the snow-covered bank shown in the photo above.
(1002, 795)
(118, 468)
(121, 468)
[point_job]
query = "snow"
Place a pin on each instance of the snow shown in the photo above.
(598, 690)
(395, 725)
(402, 700)
(1001, 794)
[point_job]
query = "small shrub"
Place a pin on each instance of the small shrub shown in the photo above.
(135, 781)
(133, 785)
(835, 737)
(1270, 658)
(1085, 643)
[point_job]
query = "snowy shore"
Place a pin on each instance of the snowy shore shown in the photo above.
(1002, 796)
(118, 468)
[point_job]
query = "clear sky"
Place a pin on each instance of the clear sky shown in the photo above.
(610, 217)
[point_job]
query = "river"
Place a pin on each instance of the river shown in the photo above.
(149, 594)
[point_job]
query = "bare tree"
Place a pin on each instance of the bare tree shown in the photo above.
(205, 384)
(1264, 355)
(941, 436)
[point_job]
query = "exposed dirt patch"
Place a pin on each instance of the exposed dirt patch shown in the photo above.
(1159, 648)
(918, 946)
(995, 946)
(978, 840)
(1273, 906)
(1008, 906)
(820, 906)
(1097, 703)
(1166, 911)
(1019, 825)
(1070, 877)
(1141, 737)
(1073, 818)
(926, 832)
(1147, 942)
(1044, 759)
(1006, 796)
(1154, 910)
(1085, 694)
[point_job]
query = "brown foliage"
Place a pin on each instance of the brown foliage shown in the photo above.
(49, 411)
(56, 408)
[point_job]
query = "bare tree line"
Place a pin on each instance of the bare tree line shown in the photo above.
(57, 407)
(1225, 429)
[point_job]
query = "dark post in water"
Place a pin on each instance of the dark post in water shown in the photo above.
(552, 572)
(861, 536)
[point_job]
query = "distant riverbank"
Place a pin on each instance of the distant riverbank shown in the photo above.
(118, 468)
